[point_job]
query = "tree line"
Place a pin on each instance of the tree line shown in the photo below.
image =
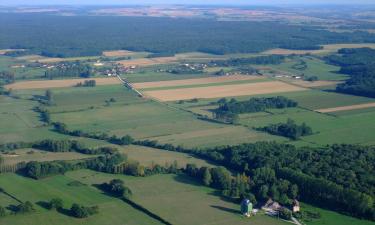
(258, 60)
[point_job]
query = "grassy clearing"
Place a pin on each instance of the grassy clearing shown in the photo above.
(111, 210)
(26, 155)
(151, 156)
(149, 75)
(178, 199)
(333, 218)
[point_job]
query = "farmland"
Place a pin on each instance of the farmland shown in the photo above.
(207, 113)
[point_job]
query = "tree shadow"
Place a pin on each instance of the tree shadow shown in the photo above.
(187, 180)
(43, 204)
(226, 209)
(12, 208)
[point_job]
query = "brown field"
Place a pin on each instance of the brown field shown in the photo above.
(207, 80)
(223, 91)
(320, 83)
(44, 84)
(326, 49)
(118, 53)
(347, 108)
(148, 61)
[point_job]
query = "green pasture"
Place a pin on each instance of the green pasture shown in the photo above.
(111, 210)
(178, 199)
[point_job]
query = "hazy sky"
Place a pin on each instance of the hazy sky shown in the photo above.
(206, 2)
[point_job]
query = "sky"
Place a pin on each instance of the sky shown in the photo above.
(199, 2)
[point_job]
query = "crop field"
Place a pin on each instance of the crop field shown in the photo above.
(222, 91)
(148, 61)
(46, 84)
(347, 108)
(27, 155)
(152, 120)
(150, 156)
(176, 198)
(112, 211)
(196, 81)
(118, 53)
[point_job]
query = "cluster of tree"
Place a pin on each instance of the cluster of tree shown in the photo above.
(117, 188)
(259, 60)
(75, 69)
(228, 110)
(160, 54)
(24, 207)
(7, 77)
(80, 211)
(360, 65)
(45, 116)
(87, 83)
(55, 204)
(159, 35)
(289, 129)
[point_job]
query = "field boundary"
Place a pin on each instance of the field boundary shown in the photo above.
(346, 108)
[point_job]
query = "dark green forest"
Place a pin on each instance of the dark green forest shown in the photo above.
(360, 65)
(52, 35)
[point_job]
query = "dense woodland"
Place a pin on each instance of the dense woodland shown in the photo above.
(52, 35)
(259, 60)
(360, 65)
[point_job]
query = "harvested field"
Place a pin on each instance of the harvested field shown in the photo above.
(320, 83)
(208, 80)
(346, 108)
(118, 53)
(148, 61)
(43, 84)
(223, 91)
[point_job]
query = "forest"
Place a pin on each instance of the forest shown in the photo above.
(359, 64)
(92, 35)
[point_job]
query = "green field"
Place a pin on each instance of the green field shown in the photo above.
(112, 211)
(315, 67)
(150, 156)
(144, 119)
(178, 199)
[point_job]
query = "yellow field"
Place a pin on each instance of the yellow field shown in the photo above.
(222, 91)
(45, 84)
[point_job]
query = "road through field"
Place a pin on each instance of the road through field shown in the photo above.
(45, 84)
(223, 91)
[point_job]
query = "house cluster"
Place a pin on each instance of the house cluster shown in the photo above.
(272, 207)
(118, 69)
